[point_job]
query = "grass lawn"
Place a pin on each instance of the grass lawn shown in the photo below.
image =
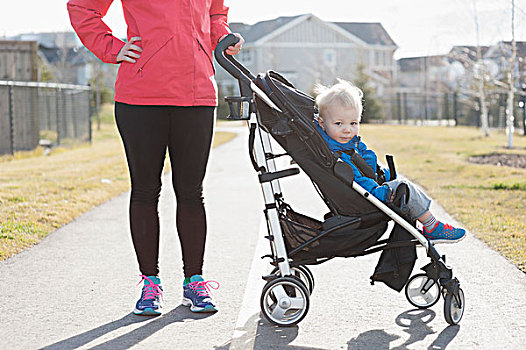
(489, 200)
(39, 194)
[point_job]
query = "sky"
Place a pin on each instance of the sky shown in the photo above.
(418, 27)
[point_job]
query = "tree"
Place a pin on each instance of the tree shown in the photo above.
(373, 108)
(45, 74)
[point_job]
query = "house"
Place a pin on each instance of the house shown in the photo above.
(67, 59)
(308, 50)
(424, 73)
(500, 55)
(419, 78)
(18, 60)
(447, 86)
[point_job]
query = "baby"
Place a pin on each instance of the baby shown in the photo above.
(340, 109)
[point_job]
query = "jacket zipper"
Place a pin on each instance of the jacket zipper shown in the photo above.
(153, 54)
(202, 48)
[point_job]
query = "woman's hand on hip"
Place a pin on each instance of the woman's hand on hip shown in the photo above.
(234, 50)
(129, 51)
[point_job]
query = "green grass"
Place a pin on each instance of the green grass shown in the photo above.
(489, 200)
(39, 194)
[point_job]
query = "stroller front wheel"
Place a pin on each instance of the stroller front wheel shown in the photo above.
(284, 301)
(454, 305)
(422, 291)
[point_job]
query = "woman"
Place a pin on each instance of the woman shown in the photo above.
(165, 98)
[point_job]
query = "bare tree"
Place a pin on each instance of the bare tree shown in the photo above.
(511, 91)
(481, 72)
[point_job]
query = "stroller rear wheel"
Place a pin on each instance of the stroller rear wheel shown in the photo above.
(454, 305)
(301, 272)
(422, 291)
(285, 301)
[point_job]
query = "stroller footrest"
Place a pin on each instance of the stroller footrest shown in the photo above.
(267, 177)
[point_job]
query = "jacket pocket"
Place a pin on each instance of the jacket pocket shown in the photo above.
(150, 50)
(207, 55)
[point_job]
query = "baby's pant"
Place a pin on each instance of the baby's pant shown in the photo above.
(418, 203)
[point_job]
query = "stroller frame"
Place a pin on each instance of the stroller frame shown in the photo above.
(285, 297)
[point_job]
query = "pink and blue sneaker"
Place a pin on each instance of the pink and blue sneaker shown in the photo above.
(196, 294)
(150, 303)
(444, 233)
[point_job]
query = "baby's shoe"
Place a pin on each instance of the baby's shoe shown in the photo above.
(444, 233)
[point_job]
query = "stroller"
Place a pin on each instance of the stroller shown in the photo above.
(356, 220)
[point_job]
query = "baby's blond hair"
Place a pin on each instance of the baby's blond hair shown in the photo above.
(343, 92)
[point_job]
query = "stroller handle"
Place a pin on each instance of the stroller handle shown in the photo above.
(229, 63)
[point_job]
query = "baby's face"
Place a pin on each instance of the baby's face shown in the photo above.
(340, 122)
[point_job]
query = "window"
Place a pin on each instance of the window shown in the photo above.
(329, 56)
(245, 56)
(382, 58)
(387, 58)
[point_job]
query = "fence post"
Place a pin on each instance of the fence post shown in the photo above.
(72, 100)
(398, 107)
(64, 119)
(11, 120)
(455, 108)
(89, 116)
(404, 107)
(57, 102)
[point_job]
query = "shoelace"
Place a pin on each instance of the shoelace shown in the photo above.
(150, 291)
(448, 227)
(203, 287)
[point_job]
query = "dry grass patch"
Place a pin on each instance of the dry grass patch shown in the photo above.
(39, 194)
(489, 200)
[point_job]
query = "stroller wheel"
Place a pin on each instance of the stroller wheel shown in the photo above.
(302, 273)
(454, 305)
(422, 291)
(309, 274)
(284, 301)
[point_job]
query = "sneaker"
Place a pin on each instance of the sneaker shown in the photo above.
(444, 233)
(150, 303)
(196, 294)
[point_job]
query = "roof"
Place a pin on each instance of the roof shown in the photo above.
(258, 30)
(74, 56)
(504, 48)
(468, 51)
(371, 33)
(51, 39)
(416, 63)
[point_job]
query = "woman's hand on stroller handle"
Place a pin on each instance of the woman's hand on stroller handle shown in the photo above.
(235, 43)
(228, 62)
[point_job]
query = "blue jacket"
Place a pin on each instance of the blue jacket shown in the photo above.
(371, 186)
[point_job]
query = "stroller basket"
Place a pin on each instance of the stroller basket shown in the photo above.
(299, 229)
(349, 241)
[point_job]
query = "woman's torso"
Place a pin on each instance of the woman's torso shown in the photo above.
(175, 67)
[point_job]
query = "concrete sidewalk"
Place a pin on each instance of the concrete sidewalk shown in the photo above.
(77, 288)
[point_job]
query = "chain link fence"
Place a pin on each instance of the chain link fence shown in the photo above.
(458, 108)
(46, 113)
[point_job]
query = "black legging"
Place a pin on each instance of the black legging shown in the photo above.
(146, 132)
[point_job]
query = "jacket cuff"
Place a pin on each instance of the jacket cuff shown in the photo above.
(382, 193)
(116, 47)
(218, 28)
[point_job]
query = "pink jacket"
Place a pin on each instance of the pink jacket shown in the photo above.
(178, 37)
